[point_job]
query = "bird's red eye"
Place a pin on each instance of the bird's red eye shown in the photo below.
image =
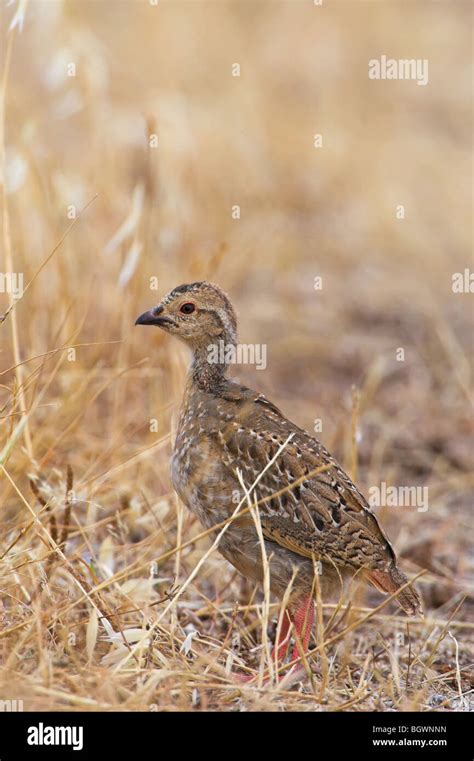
(187, 308)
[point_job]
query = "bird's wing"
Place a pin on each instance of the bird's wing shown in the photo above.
(306, 501)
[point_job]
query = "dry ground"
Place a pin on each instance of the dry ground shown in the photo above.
(100, 608)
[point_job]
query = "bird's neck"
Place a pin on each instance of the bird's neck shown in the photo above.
(209, 366)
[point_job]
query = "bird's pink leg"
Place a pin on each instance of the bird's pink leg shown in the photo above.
(282, 642)
(303, 620)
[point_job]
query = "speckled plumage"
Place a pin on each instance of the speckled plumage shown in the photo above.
(309, 508)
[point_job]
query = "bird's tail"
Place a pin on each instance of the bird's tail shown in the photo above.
(390, 581)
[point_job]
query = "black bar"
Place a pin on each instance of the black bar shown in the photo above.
(378, 735)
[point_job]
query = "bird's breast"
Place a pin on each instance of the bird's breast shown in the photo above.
(197, 475)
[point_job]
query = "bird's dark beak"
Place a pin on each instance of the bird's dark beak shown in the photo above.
(152, 317)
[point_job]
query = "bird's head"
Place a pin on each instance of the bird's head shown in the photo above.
(198, 313)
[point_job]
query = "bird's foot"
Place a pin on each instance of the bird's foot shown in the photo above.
(303, 619)
(297, 673)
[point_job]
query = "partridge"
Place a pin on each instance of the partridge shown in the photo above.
(314, 520)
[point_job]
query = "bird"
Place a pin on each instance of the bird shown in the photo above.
(233, 444)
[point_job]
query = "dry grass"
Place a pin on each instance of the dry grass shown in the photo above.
(100, 604)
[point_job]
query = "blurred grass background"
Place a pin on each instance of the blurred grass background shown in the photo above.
(165, 213)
